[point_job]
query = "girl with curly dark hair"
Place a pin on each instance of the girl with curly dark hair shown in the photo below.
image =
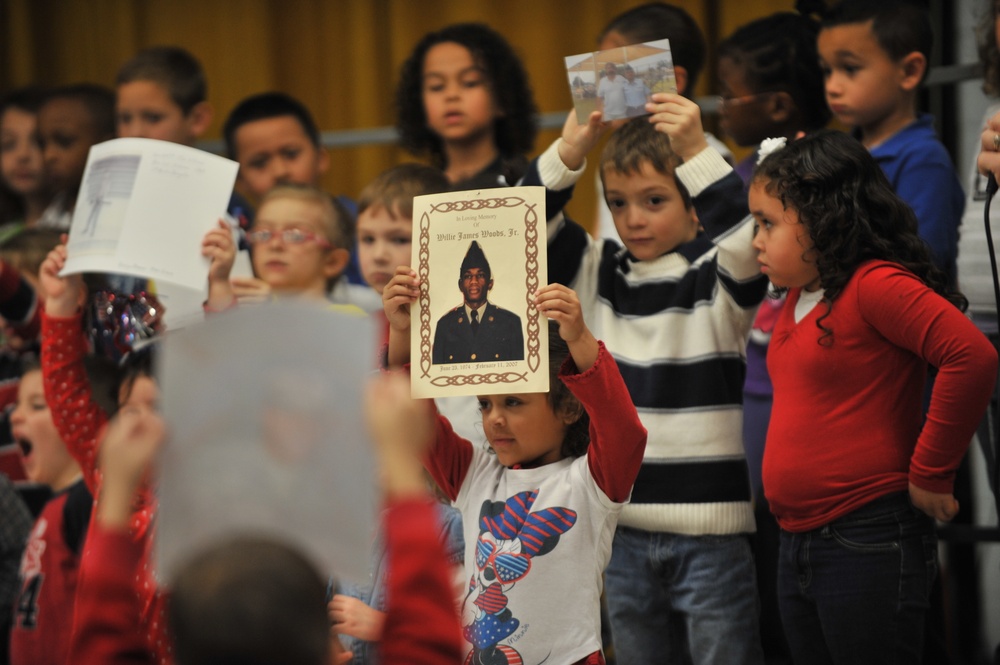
(463, 99)
(854, 472)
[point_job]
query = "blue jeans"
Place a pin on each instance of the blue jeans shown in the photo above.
(682, 599)
(857, 590)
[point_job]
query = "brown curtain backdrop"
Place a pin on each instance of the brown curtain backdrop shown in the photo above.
(340, 57)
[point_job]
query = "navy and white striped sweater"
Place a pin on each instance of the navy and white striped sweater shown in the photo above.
(677, 327)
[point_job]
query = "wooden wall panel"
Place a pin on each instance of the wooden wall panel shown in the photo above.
(340, 57)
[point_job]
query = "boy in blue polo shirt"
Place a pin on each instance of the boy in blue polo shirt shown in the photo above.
(875, 57)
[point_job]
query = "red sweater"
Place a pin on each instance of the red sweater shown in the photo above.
(421, 625)
(49, 575)
(846, 422)
(81, 424)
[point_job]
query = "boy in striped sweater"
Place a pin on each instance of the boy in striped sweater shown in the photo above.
(674, 307)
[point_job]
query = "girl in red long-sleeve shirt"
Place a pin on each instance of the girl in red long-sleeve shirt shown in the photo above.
(853, 471)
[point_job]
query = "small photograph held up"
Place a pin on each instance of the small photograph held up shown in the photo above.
(619, 81)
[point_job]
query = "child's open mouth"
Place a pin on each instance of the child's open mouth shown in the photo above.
(25, 447)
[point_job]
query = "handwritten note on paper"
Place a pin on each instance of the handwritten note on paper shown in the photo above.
(143, 208)
(183, 166)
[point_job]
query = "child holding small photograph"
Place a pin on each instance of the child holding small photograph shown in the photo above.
(674, 306)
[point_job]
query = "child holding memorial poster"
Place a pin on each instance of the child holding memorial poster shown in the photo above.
(539, 503)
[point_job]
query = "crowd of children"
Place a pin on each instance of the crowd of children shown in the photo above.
(762, 379)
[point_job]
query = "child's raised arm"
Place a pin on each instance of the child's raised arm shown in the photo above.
(76, 415)
(219, 248)
(107, 626)
(421, 625)
(63, 295)
(401, 429)
(680, 119)
(561, 304)
(132, 441)
(617, 437)
(398, 297)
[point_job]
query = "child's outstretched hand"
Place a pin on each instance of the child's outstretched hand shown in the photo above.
(399, 295)
(680, 119)
(561, 304)
(578, 140)
(941, 507)
(401, 429)
(63, 295)
(219, 248)
(133, 438)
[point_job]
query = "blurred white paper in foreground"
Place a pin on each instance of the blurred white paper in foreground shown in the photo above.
(266, 435)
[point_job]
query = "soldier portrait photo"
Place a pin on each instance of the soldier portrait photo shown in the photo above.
(477, 330)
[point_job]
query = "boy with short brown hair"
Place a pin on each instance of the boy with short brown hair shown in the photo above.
(385, 219)
(875, 57)
(674, 307)
(161, 94)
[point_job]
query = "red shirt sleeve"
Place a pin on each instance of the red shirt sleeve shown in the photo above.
(106, 626)
(912, 316)
(77, 417)
(421, 622)
(448, 459)
(617, 437)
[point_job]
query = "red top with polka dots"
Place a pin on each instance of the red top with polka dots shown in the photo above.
(81, 424)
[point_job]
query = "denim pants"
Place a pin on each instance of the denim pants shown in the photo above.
(857, 590)
(682, 599)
